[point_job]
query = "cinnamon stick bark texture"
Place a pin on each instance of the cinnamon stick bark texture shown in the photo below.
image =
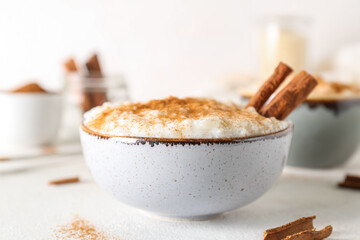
(351, 181)
(300, 225)
(64, 181)
(290, 96)
(311, 235)
(269, 86)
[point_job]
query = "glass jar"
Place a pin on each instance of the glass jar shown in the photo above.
(83, 93)
(282, 38)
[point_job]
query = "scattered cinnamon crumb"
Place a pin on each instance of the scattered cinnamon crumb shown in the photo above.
(49, 150)
(30, 88)
(64, 181)
(80, 229)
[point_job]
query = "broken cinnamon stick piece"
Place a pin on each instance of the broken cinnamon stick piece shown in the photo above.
(269, 86)
(351, 181)
(300, 225)
(64, 181)
(70, 65)
(290, 96)
(311, 234)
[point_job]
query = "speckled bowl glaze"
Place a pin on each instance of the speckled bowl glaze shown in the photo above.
(189, 179)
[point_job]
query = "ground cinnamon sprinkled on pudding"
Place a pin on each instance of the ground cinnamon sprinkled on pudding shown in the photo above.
(30, 88)
(180, 118)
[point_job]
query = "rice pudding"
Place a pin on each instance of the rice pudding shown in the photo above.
(327, 91)
(185, 118)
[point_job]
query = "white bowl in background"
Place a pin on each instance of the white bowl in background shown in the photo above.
(29, 119)
(327, 133)
(189, 179)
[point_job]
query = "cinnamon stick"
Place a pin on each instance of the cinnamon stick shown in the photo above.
(290, 96)
(299, 225)
(98, 96)
(311, 234)
(70, 65)
(351, 181)
(86, 101)
(64, 181)
(269, 86)
(93, 66)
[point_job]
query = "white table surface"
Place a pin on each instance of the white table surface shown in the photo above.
(31, 209)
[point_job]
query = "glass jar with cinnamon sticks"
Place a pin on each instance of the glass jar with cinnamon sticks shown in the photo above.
(87, 92)
(87, 87)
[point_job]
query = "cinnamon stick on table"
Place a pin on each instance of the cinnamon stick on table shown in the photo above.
(98, 96)
(269, 86)
(311, 234)
(290, 96)
(299, 225)
(351, 181)
(300, 229)
(64, 181)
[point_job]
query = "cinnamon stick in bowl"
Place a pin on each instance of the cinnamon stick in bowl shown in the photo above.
(290, 96)
(269, 86)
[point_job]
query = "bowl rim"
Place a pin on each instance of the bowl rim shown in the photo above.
(130, 139)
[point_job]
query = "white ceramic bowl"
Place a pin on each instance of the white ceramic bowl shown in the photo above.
(189, 179)
(29, 118)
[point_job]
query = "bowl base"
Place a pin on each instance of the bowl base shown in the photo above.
(184, 218)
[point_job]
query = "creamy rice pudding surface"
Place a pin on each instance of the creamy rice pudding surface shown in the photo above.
(334, 91)
(180, 118)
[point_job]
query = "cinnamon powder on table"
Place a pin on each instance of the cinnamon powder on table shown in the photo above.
(30, 88)
(81, 229)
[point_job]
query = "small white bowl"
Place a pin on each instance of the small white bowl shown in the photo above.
(29, 119)
(188, 179)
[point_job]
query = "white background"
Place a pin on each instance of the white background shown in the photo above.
(163, 47)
